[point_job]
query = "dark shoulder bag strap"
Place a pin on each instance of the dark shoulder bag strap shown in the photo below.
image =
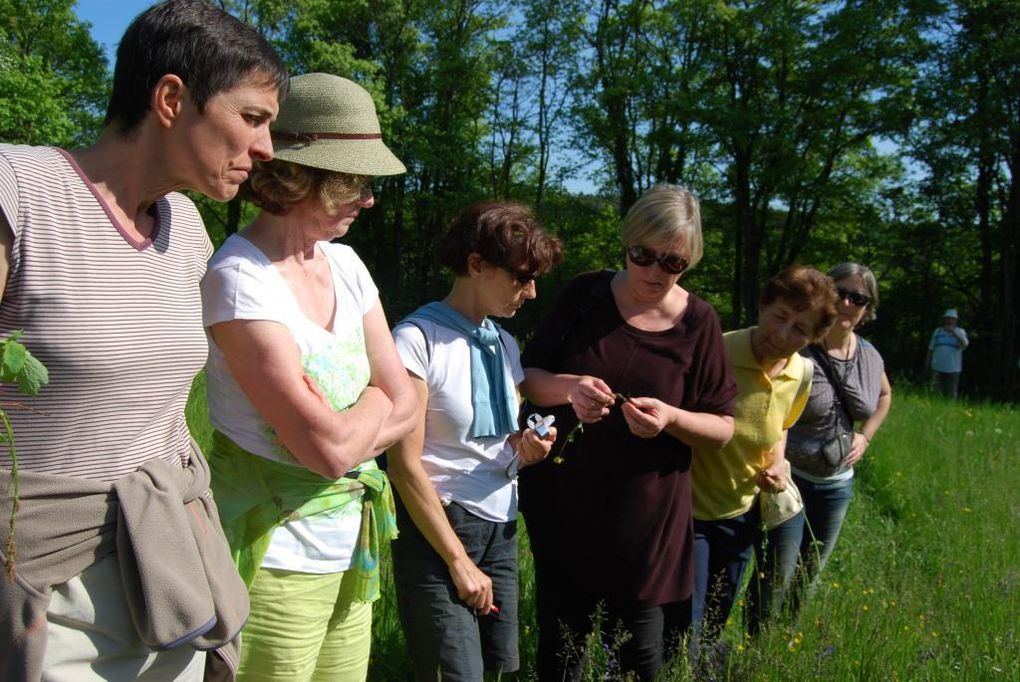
(825, 361)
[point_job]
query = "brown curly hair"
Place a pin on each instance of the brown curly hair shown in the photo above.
(804, 287)
(505, 234)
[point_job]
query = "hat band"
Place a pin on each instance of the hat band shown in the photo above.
(312, 137)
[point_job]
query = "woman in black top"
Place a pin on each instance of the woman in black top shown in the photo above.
(640, 362)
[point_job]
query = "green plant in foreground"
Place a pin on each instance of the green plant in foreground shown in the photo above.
(578, 428)
(923, 584)
(19, 366)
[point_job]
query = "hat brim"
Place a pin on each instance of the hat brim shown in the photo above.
(358, 157)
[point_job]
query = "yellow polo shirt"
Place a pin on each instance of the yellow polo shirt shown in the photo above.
(724, 481)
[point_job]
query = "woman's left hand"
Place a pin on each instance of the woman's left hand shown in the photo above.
(645, 417)
(857, 448)
(532, 448)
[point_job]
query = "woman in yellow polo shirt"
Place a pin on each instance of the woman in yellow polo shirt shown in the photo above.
(797, 307)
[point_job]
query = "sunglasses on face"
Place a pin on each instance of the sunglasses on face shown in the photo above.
(859, 300)
(670, 263)
(523, 278)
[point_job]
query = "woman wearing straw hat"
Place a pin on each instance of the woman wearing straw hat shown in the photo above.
(304, 388)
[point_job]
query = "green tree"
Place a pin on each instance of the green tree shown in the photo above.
(968, 138)
(799, 91)
(53, 77)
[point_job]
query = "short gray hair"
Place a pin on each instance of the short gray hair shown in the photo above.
(663, 214)
(847, 270)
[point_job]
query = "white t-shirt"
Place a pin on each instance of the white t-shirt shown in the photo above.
(242, 284)
(469, 471)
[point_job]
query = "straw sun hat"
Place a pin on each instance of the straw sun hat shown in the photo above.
(330, 122)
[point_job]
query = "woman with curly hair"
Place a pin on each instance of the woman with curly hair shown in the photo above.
(455, 562)
(850, 387)
(796, 308)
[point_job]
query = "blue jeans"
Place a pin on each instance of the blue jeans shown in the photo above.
(722, 552)
(794, 553)
(447, 640)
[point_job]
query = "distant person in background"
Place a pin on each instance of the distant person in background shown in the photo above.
(945, 354)
(117, 534)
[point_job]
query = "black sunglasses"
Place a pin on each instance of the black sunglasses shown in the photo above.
(639, 255)
(859, 300)
(523, 278)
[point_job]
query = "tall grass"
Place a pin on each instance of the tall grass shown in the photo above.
(925, 581)
(923, 585)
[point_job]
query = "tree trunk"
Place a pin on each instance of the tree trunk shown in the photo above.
(745, 245)
(983, 207)
(1005, 362)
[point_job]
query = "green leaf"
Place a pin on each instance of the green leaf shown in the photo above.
(17, 364)
(13, 360)
(33, 375)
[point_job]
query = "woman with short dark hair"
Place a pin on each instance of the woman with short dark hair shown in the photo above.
(455, 562)
(100, 262)
(796, 307)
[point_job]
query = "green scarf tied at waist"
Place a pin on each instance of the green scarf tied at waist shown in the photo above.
(256, 495)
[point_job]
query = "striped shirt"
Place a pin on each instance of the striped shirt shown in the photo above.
(117, 322)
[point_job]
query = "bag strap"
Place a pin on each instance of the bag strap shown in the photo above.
(822, 356)
(805, 382)
(428, 341)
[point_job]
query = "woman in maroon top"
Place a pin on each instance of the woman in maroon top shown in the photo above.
(640, 361)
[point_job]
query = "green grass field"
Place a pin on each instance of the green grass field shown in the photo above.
(925, 581)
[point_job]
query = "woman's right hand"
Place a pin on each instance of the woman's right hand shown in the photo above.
(591, 398)
(474, 588)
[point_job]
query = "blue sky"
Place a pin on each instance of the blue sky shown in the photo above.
(109, 19)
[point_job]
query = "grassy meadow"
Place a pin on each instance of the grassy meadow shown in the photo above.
(923, 585)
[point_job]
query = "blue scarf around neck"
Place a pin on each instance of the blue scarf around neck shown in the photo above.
(492, 398)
